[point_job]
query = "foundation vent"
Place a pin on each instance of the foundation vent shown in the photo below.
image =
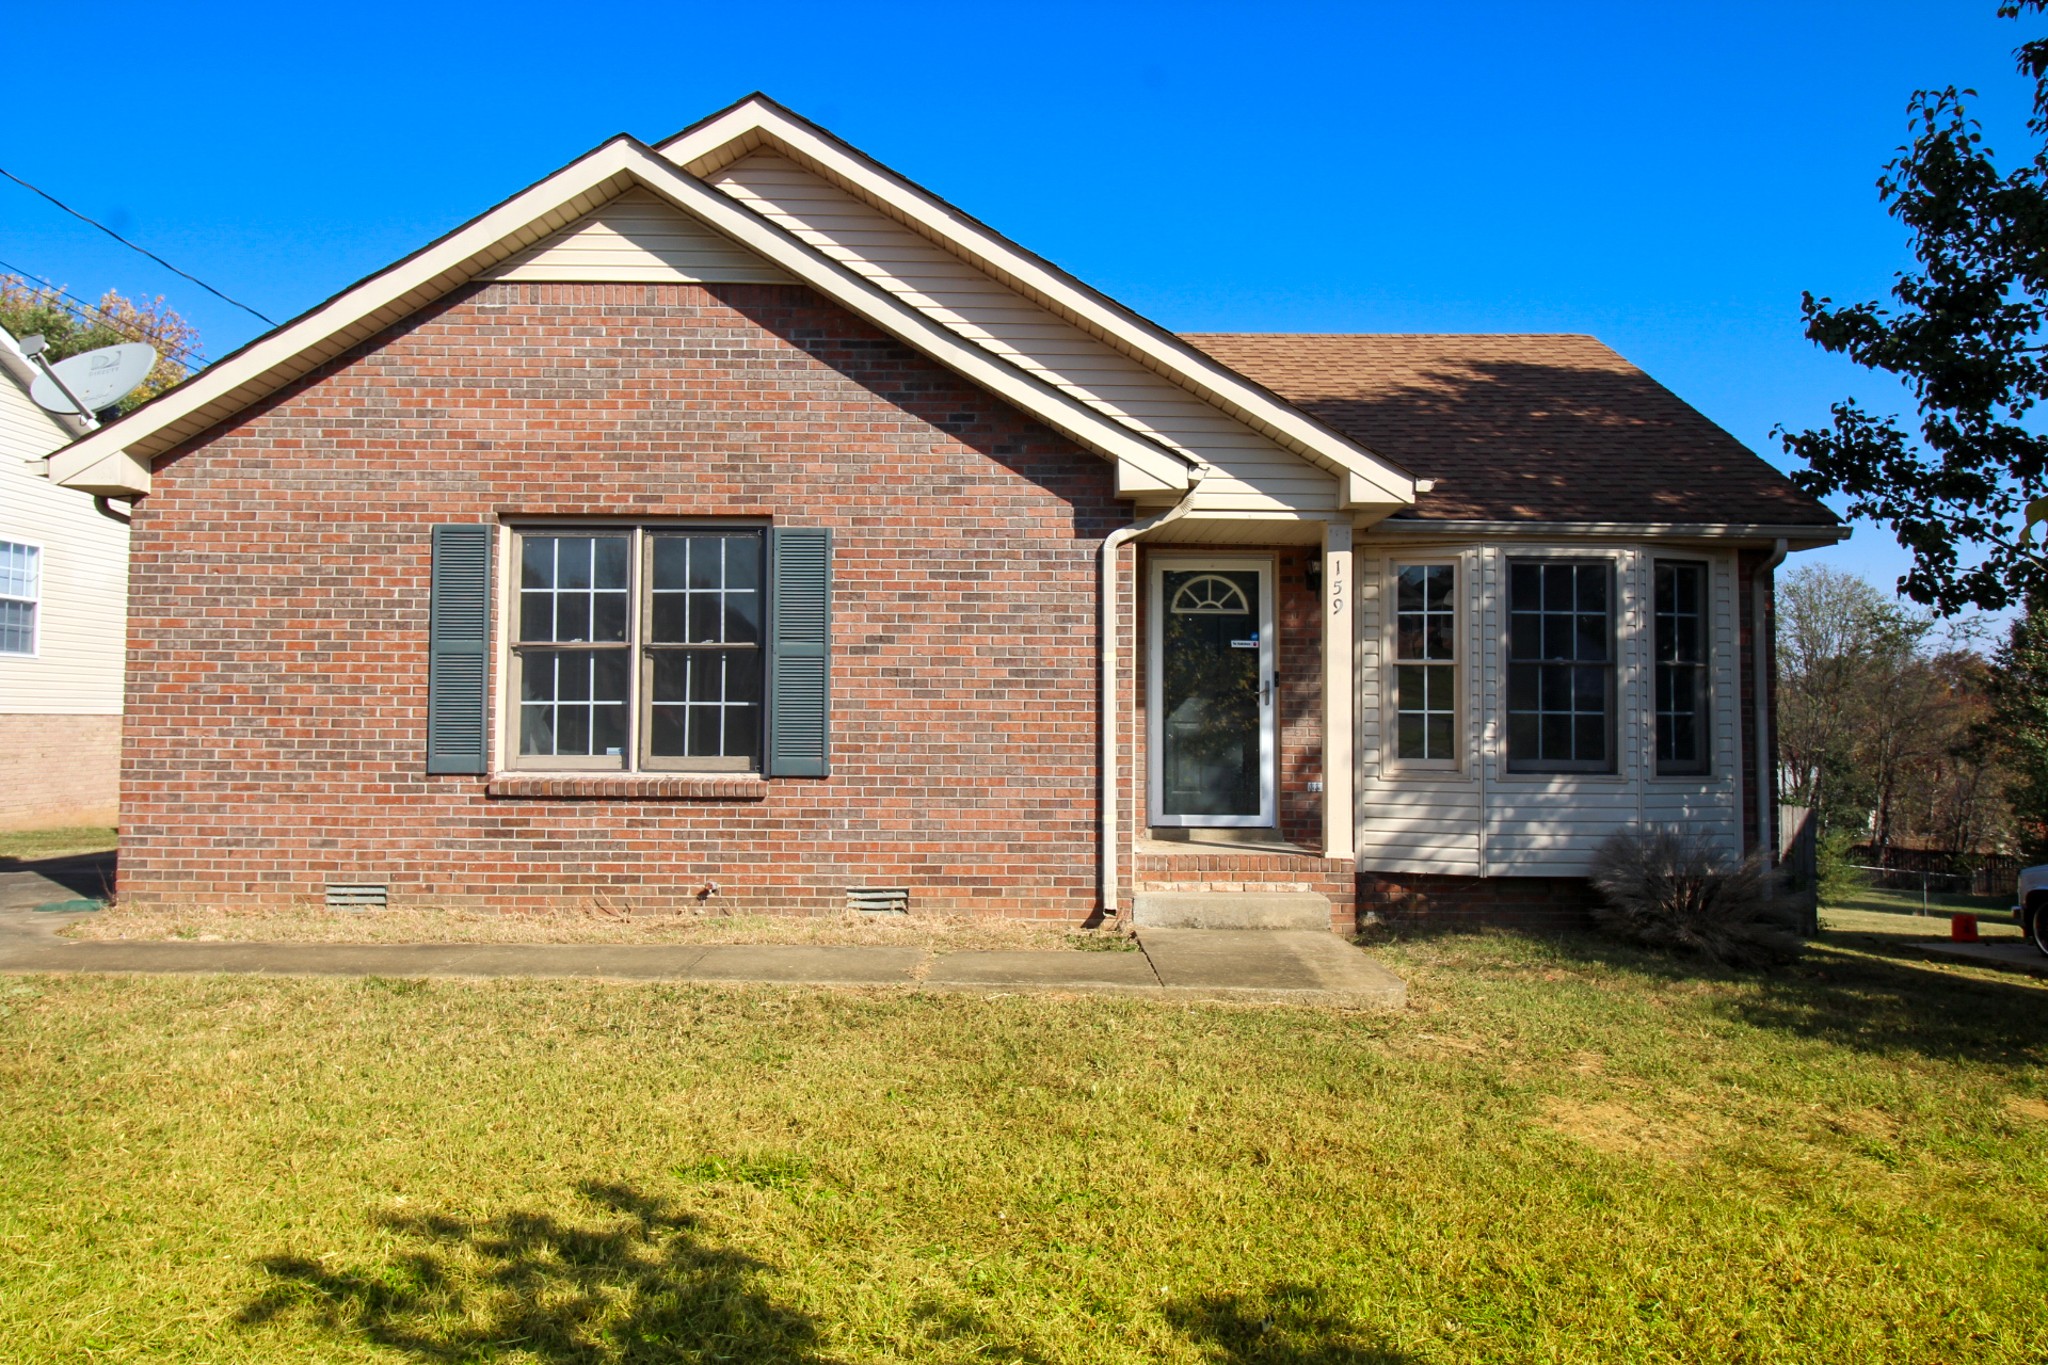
(879, 900)
(359, 896)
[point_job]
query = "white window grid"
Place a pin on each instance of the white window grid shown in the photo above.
(1425, 662)
(20, 596)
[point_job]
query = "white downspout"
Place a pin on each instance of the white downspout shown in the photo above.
(1766, 761)
(1107, 596)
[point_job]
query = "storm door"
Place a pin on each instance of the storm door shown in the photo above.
(1211, 692)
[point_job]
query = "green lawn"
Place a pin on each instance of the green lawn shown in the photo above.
(29, 844)
(1559, 1152)
(1898, 914)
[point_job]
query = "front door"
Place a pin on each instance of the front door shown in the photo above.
(1211, 692)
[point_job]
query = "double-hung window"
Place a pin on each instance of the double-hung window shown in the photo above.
(20, 596)
(639, 648)
(1561, 687)
(1425, 664)
(1681, 678)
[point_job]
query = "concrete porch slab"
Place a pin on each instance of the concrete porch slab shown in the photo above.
(1304, 910)
(1278, 965)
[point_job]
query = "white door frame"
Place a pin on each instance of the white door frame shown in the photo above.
(1269, 691)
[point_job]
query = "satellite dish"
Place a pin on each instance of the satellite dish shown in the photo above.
(99, 378)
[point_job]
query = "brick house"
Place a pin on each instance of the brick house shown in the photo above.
(733, 522)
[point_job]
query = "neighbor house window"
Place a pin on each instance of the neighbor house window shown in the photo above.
(639, 648)
(1425, 663)
(1681, 681)
(21, 574)
(1560, 665)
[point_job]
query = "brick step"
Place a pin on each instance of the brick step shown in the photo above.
(1230, 910)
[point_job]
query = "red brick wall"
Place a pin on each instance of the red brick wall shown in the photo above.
(1441, 902)
(279, 605)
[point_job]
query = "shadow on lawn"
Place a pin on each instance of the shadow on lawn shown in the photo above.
(634, 1284)
(1861, 993)
(1287, 1325)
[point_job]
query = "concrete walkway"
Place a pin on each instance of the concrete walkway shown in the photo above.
(1261, 966)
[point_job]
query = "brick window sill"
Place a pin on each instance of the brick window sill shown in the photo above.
(559, 786)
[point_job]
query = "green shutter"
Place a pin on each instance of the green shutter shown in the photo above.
(458, 645)
(800, 652)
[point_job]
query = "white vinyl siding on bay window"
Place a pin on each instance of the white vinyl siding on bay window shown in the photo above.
(638, 648)
(1587, 621)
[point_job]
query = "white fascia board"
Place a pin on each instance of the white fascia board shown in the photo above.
(274, 360)
(719, 140)
(1802, 537)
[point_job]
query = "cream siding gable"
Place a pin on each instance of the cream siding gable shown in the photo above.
(1250, 472)
(82, 602)
(639, 238)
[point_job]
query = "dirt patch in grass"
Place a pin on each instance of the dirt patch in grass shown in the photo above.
(2027, 1108)
(316, 924)
(1620, 1129)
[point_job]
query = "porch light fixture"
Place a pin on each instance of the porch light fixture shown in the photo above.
(1312, 572)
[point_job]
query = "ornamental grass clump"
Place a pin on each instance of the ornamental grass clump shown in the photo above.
(1680, 892)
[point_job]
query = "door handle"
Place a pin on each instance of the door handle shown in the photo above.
(1266, 692)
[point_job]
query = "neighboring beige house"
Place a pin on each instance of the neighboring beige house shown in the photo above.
(63, 612)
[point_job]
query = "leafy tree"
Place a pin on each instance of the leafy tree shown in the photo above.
(2018, 724)
(27, 309)
(1879, 722)
(1966, 338)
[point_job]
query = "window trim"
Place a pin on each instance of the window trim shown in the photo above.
(1526, 767)
(634, 758)
(1390, 636)
(1703, 767)
(35, 603)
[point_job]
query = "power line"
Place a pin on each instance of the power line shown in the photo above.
(92, 313)
(132, 247)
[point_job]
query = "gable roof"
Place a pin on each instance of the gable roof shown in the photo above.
(299, 346)
(1553, 428)
(1149, 465)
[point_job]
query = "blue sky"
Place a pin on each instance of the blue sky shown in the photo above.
(1668, 177)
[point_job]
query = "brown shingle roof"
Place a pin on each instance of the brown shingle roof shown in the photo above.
(1513, 428)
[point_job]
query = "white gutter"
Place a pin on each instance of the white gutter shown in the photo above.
(1760, 655)
(1107, 597)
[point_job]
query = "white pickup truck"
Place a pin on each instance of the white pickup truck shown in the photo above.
(2030, 905)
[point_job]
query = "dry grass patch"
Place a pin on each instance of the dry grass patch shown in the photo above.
(1620, 1129)
(2028, 1108)
(300, 923)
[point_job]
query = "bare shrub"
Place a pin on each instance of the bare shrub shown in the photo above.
(1679, 892)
